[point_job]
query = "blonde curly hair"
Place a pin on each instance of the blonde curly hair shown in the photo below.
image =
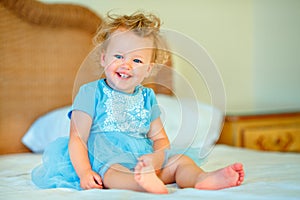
(143, 25)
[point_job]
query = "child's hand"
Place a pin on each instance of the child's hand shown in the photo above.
(155, 159)
(91, 180)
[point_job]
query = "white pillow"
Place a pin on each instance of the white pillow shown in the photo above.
(189, 125)
(46, 129)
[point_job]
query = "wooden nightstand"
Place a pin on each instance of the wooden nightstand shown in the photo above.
(270, 132)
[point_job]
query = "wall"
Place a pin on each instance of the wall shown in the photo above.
(276, 55)
(253, 43)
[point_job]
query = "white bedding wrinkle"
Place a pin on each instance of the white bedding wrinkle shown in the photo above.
(269, 175)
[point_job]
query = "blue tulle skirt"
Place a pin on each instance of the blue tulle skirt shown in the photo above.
(104, 150)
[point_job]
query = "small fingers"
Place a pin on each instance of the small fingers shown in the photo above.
(94, 181)
(94, 185)
(139, 166)
(146, 160)
(98, 179)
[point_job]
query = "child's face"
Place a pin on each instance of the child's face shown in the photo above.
(127, 60)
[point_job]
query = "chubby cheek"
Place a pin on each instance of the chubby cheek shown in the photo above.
(115, 62)
(112, 67)
(141, 72)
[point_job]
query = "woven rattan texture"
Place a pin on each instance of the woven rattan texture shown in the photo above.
(41, 49)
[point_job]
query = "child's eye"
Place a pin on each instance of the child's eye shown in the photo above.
(118, 56)
(137, 61)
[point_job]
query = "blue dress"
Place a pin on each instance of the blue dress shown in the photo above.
(118, 134)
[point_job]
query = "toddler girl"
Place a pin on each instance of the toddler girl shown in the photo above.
(117, 139)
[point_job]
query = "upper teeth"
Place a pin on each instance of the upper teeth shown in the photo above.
(124, 75)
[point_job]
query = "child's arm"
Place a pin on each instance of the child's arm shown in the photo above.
(160, 142)
(79, 133)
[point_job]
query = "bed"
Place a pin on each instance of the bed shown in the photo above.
(42, 48)
(268, 176)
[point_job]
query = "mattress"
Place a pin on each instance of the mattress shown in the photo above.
(268, 175)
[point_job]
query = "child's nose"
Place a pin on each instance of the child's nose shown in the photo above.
(126, 65)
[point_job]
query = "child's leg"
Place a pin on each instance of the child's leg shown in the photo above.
(182, 170)
(119, 177)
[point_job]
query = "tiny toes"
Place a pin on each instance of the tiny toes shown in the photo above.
(238, 166)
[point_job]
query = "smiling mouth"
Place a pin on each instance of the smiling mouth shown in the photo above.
(122, 75)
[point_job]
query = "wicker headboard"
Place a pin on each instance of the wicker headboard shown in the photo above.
(42, 47)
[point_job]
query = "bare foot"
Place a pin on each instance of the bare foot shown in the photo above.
(146, 177)
(230, 176)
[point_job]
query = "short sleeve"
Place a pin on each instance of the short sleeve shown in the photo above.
(85, 100)
(155, 110)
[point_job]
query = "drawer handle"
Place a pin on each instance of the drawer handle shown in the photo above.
(280, 143)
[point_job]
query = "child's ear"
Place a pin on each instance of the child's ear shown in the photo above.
(149, 69)
(102, 59)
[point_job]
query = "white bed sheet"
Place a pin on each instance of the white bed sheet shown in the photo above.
(269, 175)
